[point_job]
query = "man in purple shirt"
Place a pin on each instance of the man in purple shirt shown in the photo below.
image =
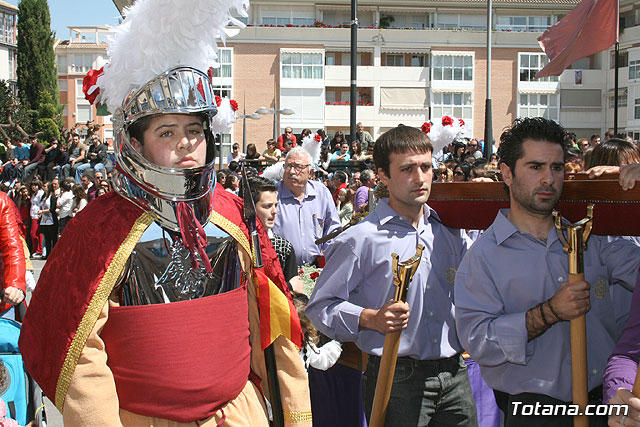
(352, 298)
(36, 156)
(513, 299)
(619, 377)
(361, 198)
(306, 209)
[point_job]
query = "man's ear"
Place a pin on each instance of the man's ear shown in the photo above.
(136, 145)
(507, 175)
(382, 176)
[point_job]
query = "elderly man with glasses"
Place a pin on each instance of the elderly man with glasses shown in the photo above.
(286, 136)
(306, 209)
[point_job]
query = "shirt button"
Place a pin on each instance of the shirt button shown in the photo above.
(435, 340)
(594, 372)
(431, 313)
(428, 286)
(560, 279)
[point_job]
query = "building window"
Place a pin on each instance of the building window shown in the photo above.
(417, 61)
(634, 69)
(523, 23)
(453, 67)
(623, 59)
(62, 85)
(12, 64)
(83, 107)
(62, 64)
(224, 58)
(7, 28)
(222, 90)
(636, 110)
(302, 65)
(622, 101)
(395, 60)
(283, 19)
(457, 104)
(455, 21)
(530, 64)
(538, 105)
(82, 63)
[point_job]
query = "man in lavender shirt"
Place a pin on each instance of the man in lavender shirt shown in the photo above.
(361, 198)
(513, 301)
(306, 209)
(620, 375)
(352, 298)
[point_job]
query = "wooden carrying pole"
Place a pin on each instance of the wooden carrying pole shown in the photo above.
(575, 244)
(403, 273)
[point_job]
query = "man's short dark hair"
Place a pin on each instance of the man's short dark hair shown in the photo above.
(340, 176)
(260, 185)
(400, 139)
(535, 128)
(594, 136)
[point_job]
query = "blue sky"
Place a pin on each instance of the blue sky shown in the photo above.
(65, 13)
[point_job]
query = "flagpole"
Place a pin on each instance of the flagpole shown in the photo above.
(615, 76)
(488, 123)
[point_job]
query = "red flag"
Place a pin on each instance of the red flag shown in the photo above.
(591, 27)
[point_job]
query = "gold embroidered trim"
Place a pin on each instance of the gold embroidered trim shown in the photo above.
(234, 231)
(96, 304)
(297, 416)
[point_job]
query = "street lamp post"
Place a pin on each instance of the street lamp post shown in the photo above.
(244, 116)
(275, 112)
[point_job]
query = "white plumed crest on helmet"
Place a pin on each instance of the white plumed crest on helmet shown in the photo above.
(312, 146)
(224, 118)
(442, 135)
(158, 35)
(274, 172)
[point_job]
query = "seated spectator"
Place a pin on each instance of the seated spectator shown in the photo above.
(342, 155)
(288, 145)
(324, 138)
(572, 167)
(252, 152)
(96, 155)
(36, 157)
(345, 205)
(271, 154)
(235, 155)
(613, 152)
(286, 136)
(357, 151)
(56, 157)
(323, 164)
(77, 156)
(337, 141)
(15, 154)
(444, 174)
(462, 172)
(583, 144)
(305, 132)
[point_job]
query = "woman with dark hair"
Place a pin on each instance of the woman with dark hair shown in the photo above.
(252, 152)
(357, 151)
(47, 227)
(337, 141)
(303, 135)
(64, 205)
(613, 152)
(80, 198)
(36, 194)
(461, 172)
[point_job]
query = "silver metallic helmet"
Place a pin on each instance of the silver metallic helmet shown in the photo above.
(181, 90)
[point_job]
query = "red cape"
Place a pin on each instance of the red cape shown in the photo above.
(74, 272)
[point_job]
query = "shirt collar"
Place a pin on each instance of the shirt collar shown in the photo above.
(386, 213)
(504, 228)
(309, 191)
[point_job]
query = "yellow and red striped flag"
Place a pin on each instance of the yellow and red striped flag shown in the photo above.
(278, 316)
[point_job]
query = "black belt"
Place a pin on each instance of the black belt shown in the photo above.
(444, 364)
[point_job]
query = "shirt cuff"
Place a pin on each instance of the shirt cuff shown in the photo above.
(349, 326)
(511, 333)
(620, 373)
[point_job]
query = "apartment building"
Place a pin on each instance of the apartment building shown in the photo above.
(417, 60)
(8, 44)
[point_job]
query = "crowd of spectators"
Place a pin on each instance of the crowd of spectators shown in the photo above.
(51, 182)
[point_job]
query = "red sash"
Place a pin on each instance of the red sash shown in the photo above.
(180, 361)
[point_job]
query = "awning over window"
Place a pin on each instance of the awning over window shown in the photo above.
(404, 97)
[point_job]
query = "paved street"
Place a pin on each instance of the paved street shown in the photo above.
(54, 418)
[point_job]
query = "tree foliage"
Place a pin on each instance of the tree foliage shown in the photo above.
(37, 78)
(13, 117)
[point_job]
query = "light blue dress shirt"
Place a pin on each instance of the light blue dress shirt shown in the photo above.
(302, 223)
(504, 274)
(359, 275)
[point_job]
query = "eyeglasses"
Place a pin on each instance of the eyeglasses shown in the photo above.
(298, 168)
(288, 131)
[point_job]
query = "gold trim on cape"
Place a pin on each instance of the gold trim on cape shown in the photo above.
(298, 416)
(96, 304)
(234, 231)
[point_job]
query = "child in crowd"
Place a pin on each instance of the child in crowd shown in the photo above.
(314, 355)
(4, 421)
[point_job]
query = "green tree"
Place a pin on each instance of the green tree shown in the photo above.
(13, 117)
(49, 119)
(36, 62)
